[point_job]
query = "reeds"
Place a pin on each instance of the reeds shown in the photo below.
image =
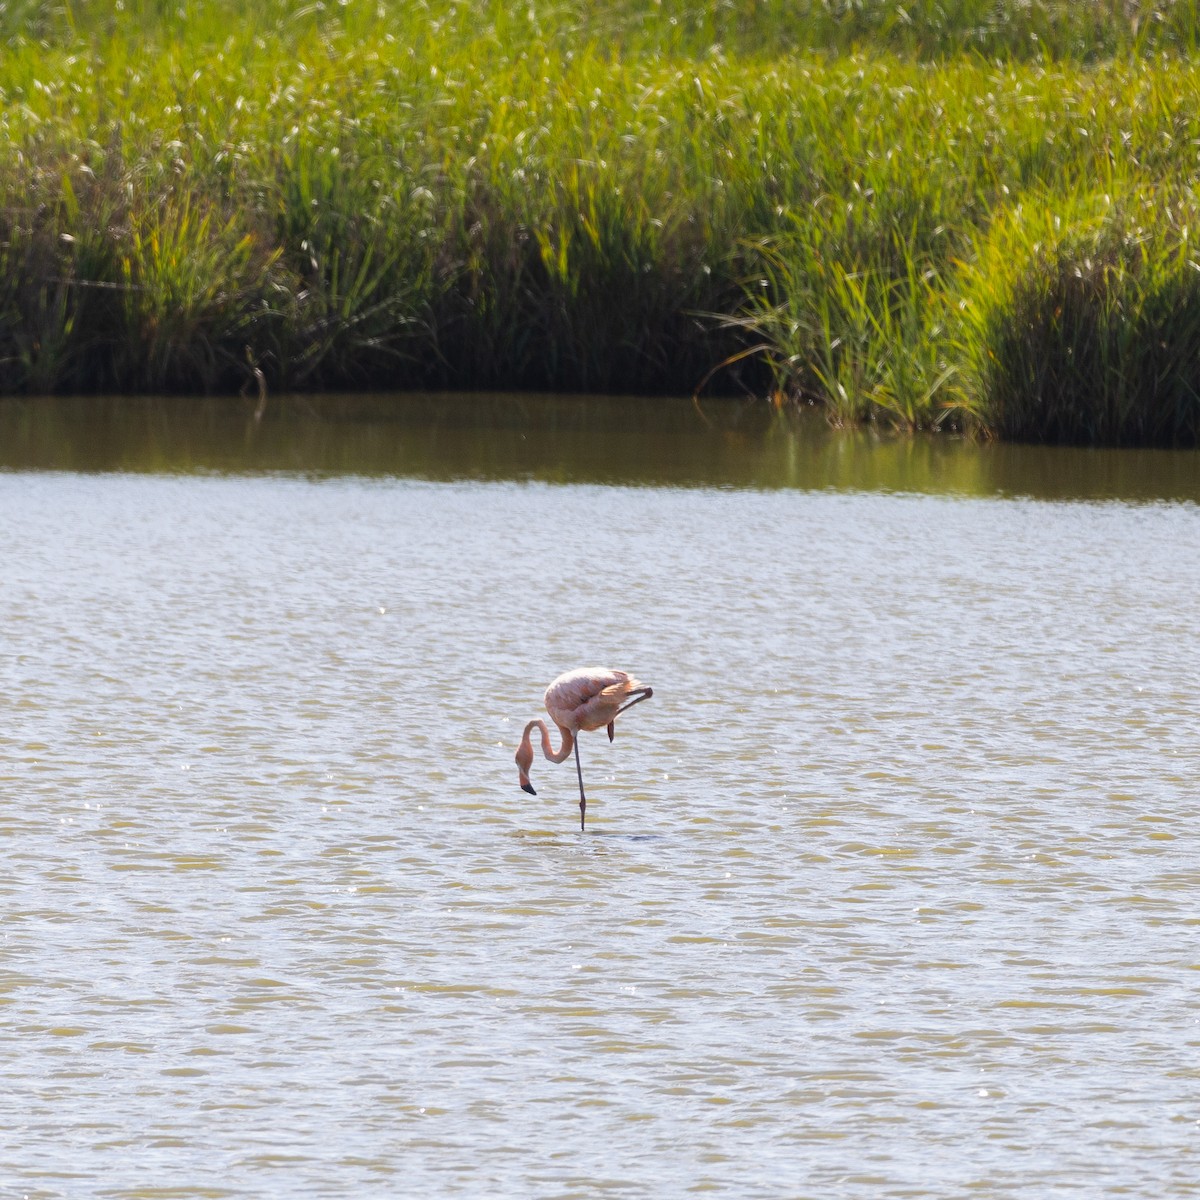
(1014, 255)
(607, 196)
(1086, 320)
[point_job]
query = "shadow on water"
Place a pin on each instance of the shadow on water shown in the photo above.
(576, 836)
(560, 439)
(615, 835)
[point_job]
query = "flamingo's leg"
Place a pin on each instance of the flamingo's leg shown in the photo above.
(582, 797)
(646, 693)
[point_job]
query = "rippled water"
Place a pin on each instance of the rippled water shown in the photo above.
(891, 890)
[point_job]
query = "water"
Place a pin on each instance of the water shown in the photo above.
(890, 890)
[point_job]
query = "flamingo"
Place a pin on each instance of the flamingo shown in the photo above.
(587, 698)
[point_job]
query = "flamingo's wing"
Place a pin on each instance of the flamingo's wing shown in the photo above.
(578, 699)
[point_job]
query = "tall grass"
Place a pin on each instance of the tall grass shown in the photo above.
(1086, 319)
(919, 291)
(606, 195)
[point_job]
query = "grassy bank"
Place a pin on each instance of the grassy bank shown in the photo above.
(984, 221)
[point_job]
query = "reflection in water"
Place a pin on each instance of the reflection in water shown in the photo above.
(615, 440)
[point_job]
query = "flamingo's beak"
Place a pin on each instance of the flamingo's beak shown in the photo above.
(524, 760)
(612, 733)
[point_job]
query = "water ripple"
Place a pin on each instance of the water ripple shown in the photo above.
(889, 892)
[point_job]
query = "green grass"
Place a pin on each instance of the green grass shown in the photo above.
(969, 215)
(1086, 319)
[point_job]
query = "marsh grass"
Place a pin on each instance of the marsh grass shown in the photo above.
(1086, 320)
(190, 288)
(856, 324)
(936, 298)
(605, 196)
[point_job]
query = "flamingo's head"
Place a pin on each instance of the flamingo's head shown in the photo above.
(524, 758)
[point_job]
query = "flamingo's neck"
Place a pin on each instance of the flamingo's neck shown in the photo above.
(555, 756)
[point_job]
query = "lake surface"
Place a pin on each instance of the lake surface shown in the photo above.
(892, 889)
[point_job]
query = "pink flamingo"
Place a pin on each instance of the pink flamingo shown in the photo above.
(587, 698)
